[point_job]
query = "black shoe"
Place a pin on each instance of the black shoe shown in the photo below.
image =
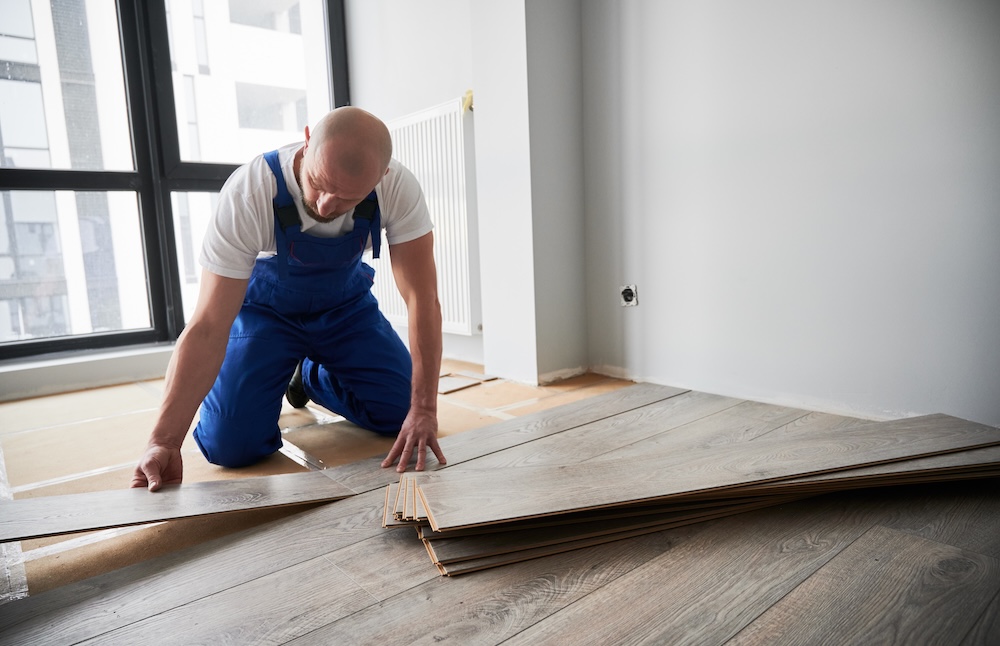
(296, 392)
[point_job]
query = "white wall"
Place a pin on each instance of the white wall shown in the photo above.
(805, 193)
(504, 189)
(555, 99)
(522, 61)
(405, 56)
(807, 196)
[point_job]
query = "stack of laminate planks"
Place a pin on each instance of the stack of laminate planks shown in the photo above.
(475, 518)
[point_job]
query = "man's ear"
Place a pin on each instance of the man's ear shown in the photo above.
(307, 135)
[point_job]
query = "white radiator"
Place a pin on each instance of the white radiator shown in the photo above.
(436, 144)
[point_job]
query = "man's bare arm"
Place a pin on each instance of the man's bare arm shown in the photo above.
(416, 277)
(193, 368)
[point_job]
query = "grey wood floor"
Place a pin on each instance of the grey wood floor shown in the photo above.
(911, 564)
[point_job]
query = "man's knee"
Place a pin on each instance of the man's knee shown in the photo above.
(235, 443)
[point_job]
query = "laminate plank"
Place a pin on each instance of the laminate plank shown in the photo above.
(386, 564)
(607, 513)
(490, 558)
(963, 514)
(986, 630)
(450, 383)
(392, 519)
(54, 515)
(492, 606)
(79, 611)
(746, 422)
(271, 610)
(409, 505)
(963, 461)
(446, 549)
(900, 481)
(285, 604)
(887, 587)
(391, 493)
(366, 475)
(814, 422)
(466, 499)
(698, 414)
(717, 577)
(399, 504)
(420, 512)
(689, 410)
(682, 423)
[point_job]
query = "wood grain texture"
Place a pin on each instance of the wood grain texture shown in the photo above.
(963, 514)
(961, 461)
(131, 594)
(467, 499)
(366, 475)
(277, 607)
(386, 564)
(597, 438)
(716, 578)
(54, 515)
(92, 607)
(445, 549)
(695, 584)
(492, 606)
(604, 513)
(475, 563)
(986, 630)
(888, 587)
(270, 610)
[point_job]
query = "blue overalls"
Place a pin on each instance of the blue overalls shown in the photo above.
(312, 300)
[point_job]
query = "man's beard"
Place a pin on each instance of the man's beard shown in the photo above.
(310, 207)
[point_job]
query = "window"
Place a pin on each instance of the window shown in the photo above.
(262, 98)
(277, 16)
(102, 209)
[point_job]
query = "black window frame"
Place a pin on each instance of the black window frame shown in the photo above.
(159, 170)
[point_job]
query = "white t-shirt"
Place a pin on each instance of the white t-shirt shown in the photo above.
(242, 227)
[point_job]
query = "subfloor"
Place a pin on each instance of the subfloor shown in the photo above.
(91, 440)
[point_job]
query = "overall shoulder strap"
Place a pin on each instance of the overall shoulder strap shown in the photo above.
(284, 207)
(285, 213)
(369, 210)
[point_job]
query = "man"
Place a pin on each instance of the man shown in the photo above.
(283, 283)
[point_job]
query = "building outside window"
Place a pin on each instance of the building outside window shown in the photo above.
(77, 262)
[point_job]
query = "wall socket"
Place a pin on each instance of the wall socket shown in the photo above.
(630, 296)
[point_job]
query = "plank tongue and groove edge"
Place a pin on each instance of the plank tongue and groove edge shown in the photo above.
(55, 515)
(469, 499)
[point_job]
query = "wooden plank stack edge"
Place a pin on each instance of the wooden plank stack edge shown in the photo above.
(471, 519)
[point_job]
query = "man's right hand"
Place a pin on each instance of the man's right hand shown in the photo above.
(159, 465)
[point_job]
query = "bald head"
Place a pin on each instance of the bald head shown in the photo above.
(353, 141)
(345, 156)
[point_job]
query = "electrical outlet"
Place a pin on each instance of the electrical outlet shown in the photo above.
(630, 296)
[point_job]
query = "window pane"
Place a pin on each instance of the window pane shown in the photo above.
(191, 214)
(17, 34)
(248, 104)
(62, 93)
(71, 263)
